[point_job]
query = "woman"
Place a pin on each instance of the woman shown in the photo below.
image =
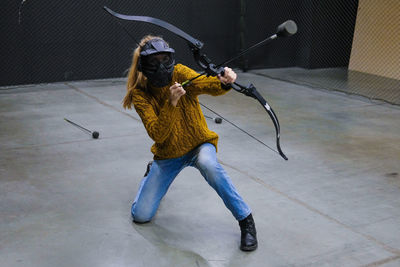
(174, 120)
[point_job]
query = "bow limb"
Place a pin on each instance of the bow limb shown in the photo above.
(192, 41)
(195, 45)
(252, 92)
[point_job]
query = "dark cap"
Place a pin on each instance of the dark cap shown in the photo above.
(155, 46)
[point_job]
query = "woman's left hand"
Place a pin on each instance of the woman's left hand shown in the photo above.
(229, 76)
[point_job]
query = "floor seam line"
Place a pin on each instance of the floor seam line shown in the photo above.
(319, 88)
(101, 102)
(381, 262)
(312, 209)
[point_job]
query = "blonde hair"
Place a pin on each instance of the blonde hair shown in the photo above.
(136, 79)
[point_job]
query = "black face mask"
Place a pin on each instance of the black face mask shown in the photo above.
(159, 74)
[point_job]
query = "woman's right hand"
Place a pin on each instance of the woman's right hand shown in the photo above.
(176, 91)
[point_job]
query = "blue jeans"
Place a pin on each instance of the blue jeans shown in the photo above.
(163, 172)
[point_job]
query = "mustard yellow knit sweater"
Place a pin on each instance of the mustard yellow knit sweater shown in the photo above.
(177, 130)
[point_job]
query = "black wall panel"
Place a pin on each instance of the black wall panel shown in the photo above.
(323, 40)
(56, 40)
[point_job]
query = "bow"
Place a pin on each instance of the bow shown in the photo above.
(210, 69)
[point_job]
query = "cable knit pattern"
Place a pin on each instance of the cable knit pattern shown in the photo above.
(177, 130)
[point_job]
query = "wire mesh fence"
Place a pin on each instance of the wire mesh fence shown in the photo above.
(51, 41)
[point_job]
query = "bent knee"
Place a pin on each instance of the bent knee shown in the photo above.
(140, 216)
(207, 163)
(141, 219)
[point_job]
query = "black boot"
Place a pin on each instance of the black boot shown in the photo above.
(248, 240)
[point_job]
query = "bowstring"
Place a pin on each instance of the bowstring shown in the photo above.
(237, 127)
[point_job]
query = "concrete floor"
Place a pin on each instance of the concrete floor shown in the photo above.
(65, 198)
(340, 79)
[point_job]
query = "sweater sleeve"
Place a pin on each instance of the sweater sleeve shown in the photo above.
(203, 84)
(158, 126)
